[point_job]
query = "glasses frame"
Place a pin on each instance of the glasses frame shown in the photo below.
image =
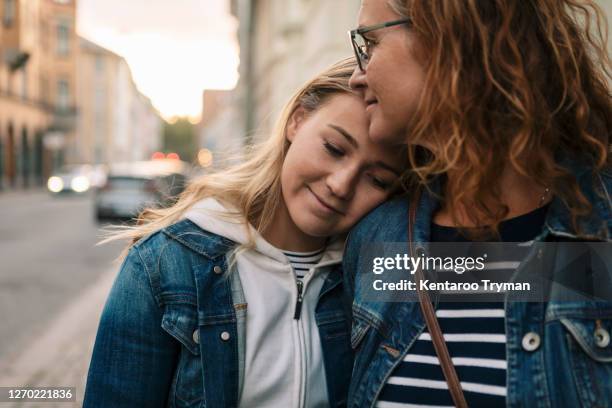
(362, 63)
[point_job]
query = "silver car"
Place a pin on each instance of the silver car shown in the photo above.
(131, 187)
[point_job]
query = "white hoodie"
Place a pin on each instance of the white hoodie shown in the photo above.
(283, 358)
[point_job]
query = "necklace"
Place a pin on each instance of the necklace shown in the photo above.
(544, 195)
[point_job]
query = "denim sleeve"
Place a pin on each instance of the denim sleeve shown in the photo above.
(350, 261)
(134, 359)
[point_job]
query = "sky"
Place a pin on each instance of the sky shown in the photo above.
(175, 48)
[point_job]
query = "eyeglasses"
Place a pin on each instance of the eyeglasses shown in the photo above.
(361, 45)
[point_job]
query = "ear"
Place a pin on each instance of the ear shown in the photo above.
(295, 121)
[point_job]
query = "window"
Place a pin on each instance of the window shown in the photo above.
(9, 12)
(44, 89)
(99, 64)
(24, 84)
(63, 95)
(63, 38)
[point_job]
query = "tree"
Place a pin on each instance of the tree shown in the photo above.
(180, 137)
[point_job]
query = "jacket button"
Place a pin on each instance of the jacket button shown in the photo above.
(540, 253)
(225, 336)
(531, 341)
(217, 269)
(602, 338)
(196, 336)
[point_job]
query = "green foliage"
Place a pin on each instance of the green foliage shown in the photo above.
(180, 137)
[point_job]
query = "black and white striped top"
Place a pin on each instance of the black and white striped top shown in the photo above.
(474, 333)
(303, 261)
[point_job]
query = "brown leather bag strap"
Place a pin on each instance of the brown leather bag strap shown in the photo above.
(450, 374)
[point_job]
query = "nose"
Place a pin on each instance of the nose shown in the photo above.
(357, 80)
(342, 181)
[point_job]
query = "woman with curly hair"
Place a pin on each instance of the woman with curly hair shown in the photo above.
(504, 106)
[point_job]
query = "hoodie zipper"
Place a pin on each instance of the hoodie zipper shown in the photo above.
(300, 291)
(301, 286)
(299, 300)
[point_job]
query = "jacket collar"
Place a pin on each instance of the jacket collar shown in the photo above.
(201, 241)
(594, 226)
(212, 245)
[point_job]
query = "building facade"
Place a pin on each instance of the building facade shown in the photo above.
(37, 80)
(116, 123)
(283, 43)
(217, 130)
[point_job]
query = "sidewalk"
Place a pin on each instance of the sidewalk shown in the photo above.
(60, 356)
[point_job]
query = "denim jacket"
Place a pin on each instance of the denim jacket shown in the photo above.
(568, 366)
(172, 330)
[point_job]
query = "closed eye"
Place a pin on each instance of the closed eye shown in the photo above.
(333, 150)
(379, 183)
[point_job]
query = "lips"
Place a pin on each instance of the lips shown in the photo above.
(323, 203)
(370, 104)
(370, 100)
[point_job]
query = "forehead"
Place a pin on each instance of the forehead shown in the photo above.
(348, 112)
(375, 11)
(345, 110)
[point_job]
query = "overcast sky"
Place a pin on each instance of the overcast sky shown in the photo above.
(175, 48)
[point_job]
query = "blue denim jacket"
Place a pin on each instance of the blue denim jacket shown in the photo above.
(569, 368)
(160, 342)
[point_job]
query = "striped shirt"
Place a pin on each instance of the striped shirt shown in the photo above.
(303, 261)
(474, 333)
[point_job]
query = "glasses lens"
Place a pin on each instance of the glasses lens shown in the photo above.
(360, 46)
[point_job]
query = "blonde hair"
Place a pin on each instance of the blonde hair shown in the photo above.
(252, 187)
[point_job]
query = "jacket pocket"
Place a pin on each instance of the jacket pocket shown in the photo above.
(181, 322)
(333, 325)
(590, 348)
(593, 337)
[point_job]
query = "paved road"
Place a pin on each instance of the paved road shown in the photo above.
(53, 282)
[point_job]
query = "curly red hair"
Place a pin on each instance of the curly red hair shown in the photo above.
(519, 82)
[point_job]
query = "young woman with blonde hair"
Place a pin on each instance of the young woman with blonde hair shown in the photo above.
(505, 108)
(232, 297)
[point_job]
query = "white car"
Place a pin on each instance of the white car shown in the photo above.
(76, 178)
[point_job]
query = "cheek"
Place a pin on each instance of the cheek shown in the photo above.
(289, 179)
(365, 201)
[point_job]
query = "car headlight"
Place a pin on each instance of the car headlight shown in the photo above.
(55, 184)
(79, 184)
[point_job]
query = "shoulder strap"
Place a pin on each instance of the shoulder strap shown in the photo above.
(450, 374)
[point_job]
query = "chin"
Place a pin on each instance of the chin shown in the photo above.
(315, 230)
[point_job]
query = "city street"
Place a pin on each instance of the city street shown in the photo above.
(53, 282)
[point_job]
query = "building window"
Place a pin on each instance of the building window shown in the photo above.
(63, 95)
(63, 38)
(9, 12)
(44, 89)
(24, 84)
(99, 64)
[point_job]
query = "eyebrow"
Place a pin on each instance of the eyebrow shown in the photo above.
(354, 143)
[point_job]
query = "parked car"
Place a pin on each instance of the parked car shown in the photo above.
(130, 187)
(76, 178)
